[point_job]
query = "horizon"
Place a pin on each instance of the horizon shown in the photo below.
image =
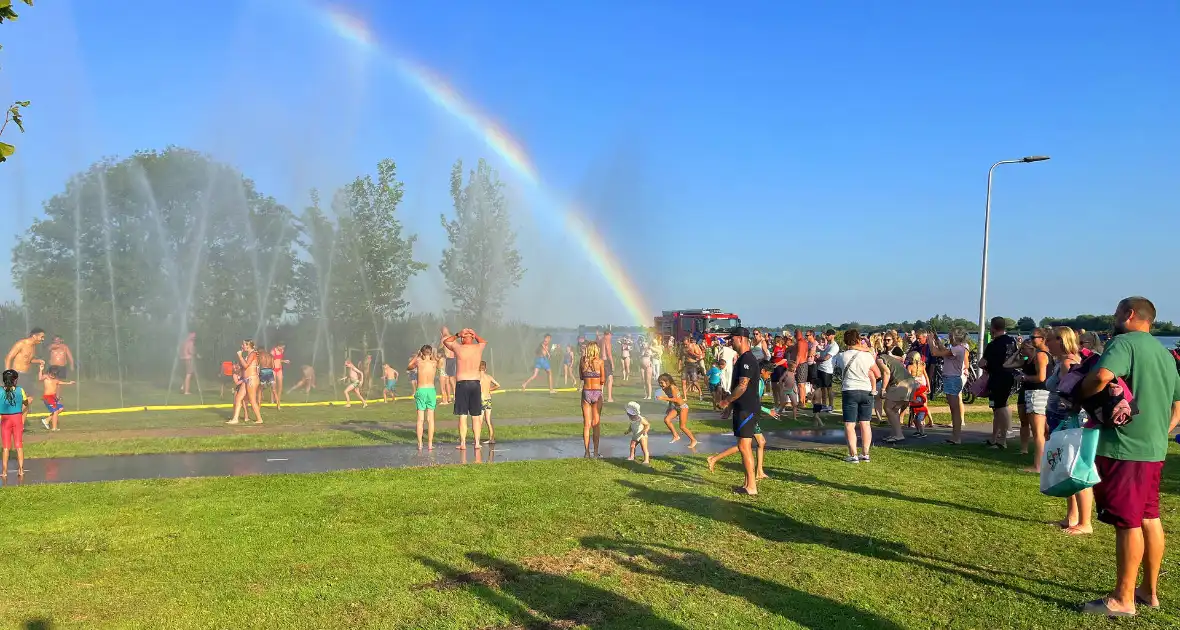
(665, 146)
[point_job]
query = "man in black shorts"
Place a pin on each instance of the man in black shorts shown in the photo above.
(467, 347)
(1000, 380)
(745, 401)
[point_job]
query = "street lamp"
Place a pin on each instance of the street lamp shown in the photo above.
(987, 219)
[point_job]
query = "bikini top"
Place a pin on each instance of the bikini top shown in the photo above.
(591, 374)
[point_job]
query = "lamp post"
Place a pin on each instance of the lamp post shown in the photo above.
(987, 219)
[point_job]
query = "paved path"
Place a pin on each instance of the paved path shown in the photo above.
(224, 464)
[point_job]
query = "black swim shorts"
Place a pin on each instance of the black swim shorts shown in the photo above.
(468, 398)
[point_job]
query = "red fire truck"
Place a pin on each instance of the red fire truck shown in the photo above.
(698, 323)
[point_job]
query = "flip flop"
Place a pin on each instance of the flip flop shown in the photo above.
(1099, 607)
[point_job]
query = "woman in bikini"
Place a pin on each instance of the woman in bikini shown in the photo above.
(645, 369)
(277, 392)
(677, 406)
(247, 393)
(591, 369)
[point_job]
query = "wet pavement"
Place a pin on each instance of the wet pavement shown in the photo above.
(226, 464)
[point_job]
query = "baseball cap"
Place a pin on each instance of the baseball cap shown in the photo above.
(738, 331)
(633, 408)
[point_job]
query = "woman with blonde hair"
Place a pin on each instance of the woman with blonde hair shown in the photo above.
(1064, 345)
(591, 369)
(954, 376)
(877, 343)
(247, 394)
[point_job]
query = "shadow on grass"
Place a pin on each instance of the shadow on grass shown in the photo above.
(540, 600)
(38, 624)
(693, 568)
(776, 526)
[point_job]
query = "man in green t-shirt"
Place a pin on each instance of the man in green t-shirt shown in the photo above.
(1131, 457)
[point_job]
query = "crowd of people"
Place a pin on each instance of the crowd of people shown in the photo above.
(1061, 378)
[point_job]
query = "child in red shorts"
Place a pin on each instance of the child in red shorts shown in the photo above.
(918, 411)
(13, 406)
(52, 402)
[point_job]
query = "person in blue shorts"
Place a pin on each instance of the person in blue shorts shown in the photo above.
(542, 363)
(390, 376)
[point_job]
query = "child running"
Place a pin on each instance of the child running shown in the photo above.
(425, 400)
(390, 375)
(766, 367)
(676, 407)
(50, 383)
(638, 431)
(487, 385)
(14, 404)
(355, 378)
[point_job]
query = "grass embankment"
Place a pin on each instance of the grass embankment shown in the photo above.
(918, 539)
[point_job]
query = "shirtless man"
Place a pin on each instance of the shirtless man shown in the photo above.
(691, 367)
(468, 349)
(542, 363)
(608, 363)
(23, 353)
(188, 354)
(447, 378)
(61, 358)
(425, 399)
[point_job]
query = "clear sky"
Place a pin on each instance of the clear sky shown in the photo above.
(793, 162)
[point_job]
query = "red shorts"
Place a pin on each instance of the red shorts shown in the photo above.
(1129, 491)
(12, 430)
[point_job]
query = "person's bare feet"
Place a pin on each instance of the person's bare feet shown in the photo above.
(675, 438)
(419, 447)
(461, 447)
(20, 472)
(762, 475)
(631, 459)
(348, 406)
(232, 421)
(693, 444)
(1142, 599)
(430, 448)
(1075, 530)
(1064, 523)
(1033, 469)
(257, 422)
(711, 463)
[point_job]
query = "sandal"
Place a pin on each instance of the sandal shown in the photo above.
(1099, 607)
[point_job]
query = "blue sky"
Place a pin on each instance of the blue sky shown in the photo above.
(789, 161)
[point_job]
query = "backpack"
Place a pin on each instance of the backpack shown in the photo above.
(1111, 407)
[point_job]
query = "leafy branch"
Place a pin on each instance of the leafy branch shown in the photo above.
(13, 114)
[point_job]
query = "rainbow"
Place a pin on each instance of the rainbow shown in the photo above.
(510, 151)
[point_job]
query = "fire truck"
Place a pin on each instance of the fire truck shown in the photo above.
(698, 323)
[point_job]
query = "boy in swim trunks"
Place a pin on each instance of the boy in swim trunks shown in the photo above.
(390, 375)
(425, 398)
(638, 431)
(355, 378)
(50, 382)
(487, 385)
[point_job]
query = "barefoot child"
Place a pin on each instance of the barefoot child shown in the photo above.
(676, 407)
(766, 367)
(638, 431)
(14, 404)
(487, 385)
(715, 382)
(425, 400)
(355, 378)
(50, 383)
(390, 375)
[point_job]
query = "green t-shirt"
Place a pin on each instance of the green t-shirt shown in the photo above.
(1150, 371)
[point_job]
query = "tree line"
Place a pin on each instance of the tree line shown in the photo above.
(135, 252)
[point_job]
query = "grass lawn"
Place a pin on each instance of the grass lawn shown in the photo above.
(917, 539)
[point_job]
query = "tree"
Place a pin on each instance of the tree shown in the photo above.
(133, 254)
(13, 113)
(482, 263)
(1026, 323)
(359, 265)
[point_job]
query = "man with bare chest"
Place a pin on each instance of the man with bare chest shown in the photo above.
(61, 358)
(468, 350)
(23, 353)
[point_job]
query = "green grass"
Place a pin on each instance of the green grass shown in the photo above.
(201, 430)
(917, 539)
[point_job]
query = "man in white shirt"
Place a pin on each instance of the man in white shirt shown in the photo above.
(826, 371)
